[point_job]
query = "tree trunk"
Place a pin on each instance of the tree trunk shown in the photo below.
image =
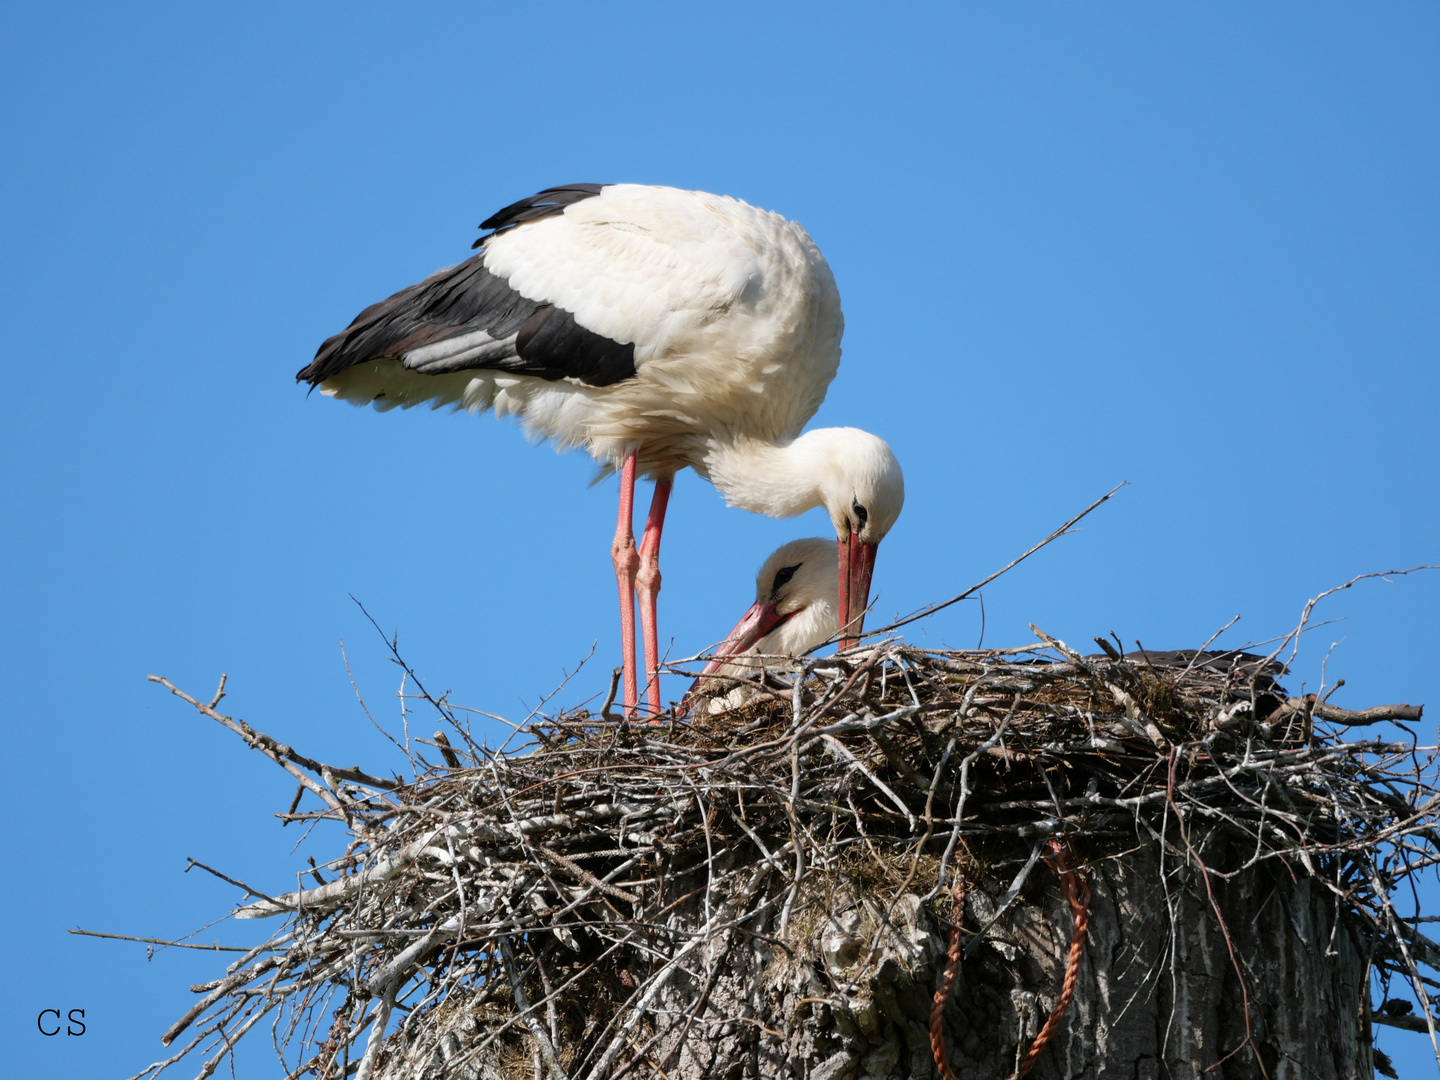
(1158, 993)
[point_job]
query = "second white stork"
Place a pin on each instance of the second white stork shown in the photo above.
(656, 329)
(796, 609)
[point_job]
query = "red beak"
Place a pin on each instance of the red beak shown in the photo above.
(857, 564)
(755, 624)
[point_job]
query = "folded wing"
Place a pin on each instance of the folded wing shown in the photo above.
(466, 317)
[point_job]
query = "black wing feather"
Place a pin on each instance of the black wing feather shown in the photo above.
(529, 337)
(552, 345)
(542, 204)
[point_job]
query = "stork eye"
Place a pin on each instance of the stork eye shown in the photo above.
(861, 516)
(783, 576)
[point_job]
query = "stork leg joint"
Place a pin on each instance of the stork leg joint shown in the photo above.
(627, 562)
(647, 577)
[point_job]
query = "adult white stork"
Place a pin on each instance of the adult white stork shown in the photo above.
(796, 609)
(657, 329)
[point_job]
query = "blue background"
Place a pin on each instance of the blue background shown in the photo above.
(1194, 248)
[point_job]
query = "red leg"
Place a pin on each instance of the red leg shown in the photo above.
(627, 562)
(647, 584)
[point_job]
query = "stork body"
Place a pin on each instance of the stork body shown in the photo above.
(656, 329)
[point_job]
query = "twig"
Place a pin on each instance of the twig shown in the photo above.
(161, 941)
(1063, 530)
(527, 1011)
(223, 877)
(605, 710)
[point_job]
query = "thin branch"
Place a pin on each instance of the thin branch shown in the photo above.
(161, 941)
(1063, 530)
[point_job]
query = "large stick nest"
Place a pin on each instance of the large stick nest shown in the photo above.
(537, 906)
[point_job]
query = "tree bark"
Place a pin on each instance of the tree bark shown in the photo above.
(1158, 994)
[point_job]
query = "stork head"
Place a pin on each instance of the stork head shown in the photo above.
(795, 607)
(863, 489)
(851, 473)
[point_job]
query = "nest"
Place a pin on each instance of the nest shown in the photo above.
(554, 906)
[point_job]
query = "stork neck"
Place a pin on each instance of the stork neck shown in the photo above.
(776, 479)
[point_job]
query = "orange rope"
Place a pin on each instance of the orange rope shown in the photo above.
(947, 980)
(1077, 892)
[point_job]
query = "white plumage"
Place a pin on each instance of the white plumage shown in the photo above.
(732, 311)
(657, 329)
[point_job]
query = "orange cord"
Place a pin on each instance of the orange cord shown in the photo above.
(1077, 892)
(947, 980)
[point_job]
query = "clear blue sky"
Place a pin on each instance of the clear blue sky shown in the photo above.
(1192, 247)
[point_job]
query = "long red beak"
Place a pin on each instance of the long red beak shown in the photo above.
(755, 624)
(857, 565)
